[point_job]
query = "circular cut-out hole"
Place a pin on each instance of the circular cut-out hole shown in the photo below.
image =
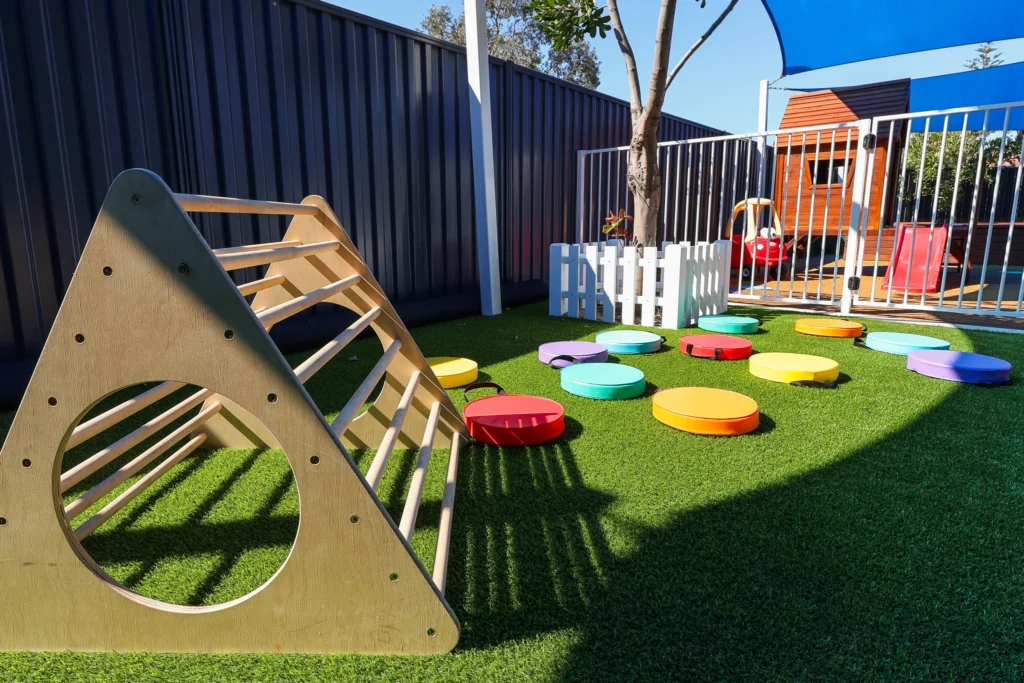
(183, 268)
(229, 334)
(52, 400)
(354, 519)
(431, 632)
(26, 463)
(136, 199)
(315, 460)
(3, 521)
(225, 519)
(393, 577)
(108, 271)
(80, 338)
(272, 398)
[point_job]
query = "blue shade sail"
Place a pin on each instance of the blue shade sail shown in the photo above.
(997, 85)
(818, 34)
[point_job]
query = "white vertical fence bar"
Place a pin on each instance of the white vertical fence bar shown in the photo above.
(785, 205)
(628, 297)
(935, 206)
(974, 207)
(799, 200)
(771, 218)
(1009, 238)
(842, 214)
(558, 278)
(590, 281)
(581, 157)
(952, 210)
(686, 208)
(992, 212)
(917, 210)
(898, 218)
(573, 281)
(824, 219)
(882, 199)
(810, 214)
(609, 276)
(673, 296)
(648, 293)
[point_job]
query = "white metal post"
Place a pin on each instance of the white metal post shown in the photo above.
(858, 215)
(483, 156)
(762, 120)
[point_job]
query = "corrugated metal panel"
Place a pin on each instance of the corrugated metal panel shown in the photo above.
(274, 99)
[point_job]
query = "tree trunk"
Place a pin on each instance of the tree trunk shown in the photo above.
(645, 179)
(645, 185)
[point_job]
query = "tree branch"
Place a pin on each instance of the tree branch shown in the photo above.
(662, 51)
(627, 54)
(700, 41)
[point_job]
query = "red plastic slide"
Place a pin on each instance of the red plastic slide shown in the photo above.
(923, 260)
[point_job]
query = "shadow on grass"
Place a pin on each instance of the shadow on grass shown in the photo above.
(900, 561)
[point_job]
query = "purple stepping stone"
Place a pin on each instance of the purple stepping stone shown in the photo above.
(584, 352)
(956, 366)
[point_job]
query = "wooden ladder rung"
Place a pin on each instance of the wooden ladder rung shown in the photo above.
(91, 428)
(312, 365)
(245, 248)
(419, 476)
(444, 529)
(355, 404)
(80, 505)
(275, 314)
(119, 447)
(387, 444)
(271, 254)
(111, 508)
(201, 203)
(259, 285)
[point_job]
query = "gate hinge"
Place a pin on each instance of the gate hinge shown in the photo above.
(869, 141)
(853, 284)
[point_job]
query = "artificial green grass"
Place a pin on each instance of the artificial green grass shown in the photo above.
(871, 532)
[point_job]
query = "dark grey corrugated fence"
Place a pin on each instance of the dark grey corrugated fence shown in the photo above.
(275, 99)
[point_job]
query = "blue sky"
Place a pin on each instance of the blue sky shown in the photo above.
(718, 86)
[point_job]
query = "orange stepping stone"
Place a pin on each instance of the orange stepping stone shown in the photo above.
(701, 410)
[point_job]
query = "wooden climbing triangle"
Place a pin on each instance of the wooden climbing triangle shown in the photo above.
(151, 301)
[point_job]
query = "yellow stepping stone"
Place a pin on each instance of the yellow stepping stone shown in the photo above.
(453, 372)
(793, 367)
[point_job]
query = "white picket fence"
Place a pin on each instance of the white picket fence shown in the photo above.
(684, 281)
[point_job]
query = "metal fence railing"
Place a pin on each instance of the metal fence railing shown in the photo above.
(782, 197)
(953, 191)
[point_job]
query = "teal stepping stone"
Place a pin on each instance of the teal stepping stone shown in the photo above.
(728, 324)
(630, 341)
(603, 380)
(901, 343)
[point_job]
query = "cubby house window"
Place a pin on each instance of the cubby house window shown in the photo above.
(820, 175)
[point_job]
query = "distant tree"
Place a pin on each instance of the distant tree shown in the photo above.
(566, 21)
(987, 57)
(513, 33)
(973, 145)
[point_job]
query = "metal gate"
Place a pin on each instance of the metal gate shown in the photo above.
(784, 199)
(937, 221)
